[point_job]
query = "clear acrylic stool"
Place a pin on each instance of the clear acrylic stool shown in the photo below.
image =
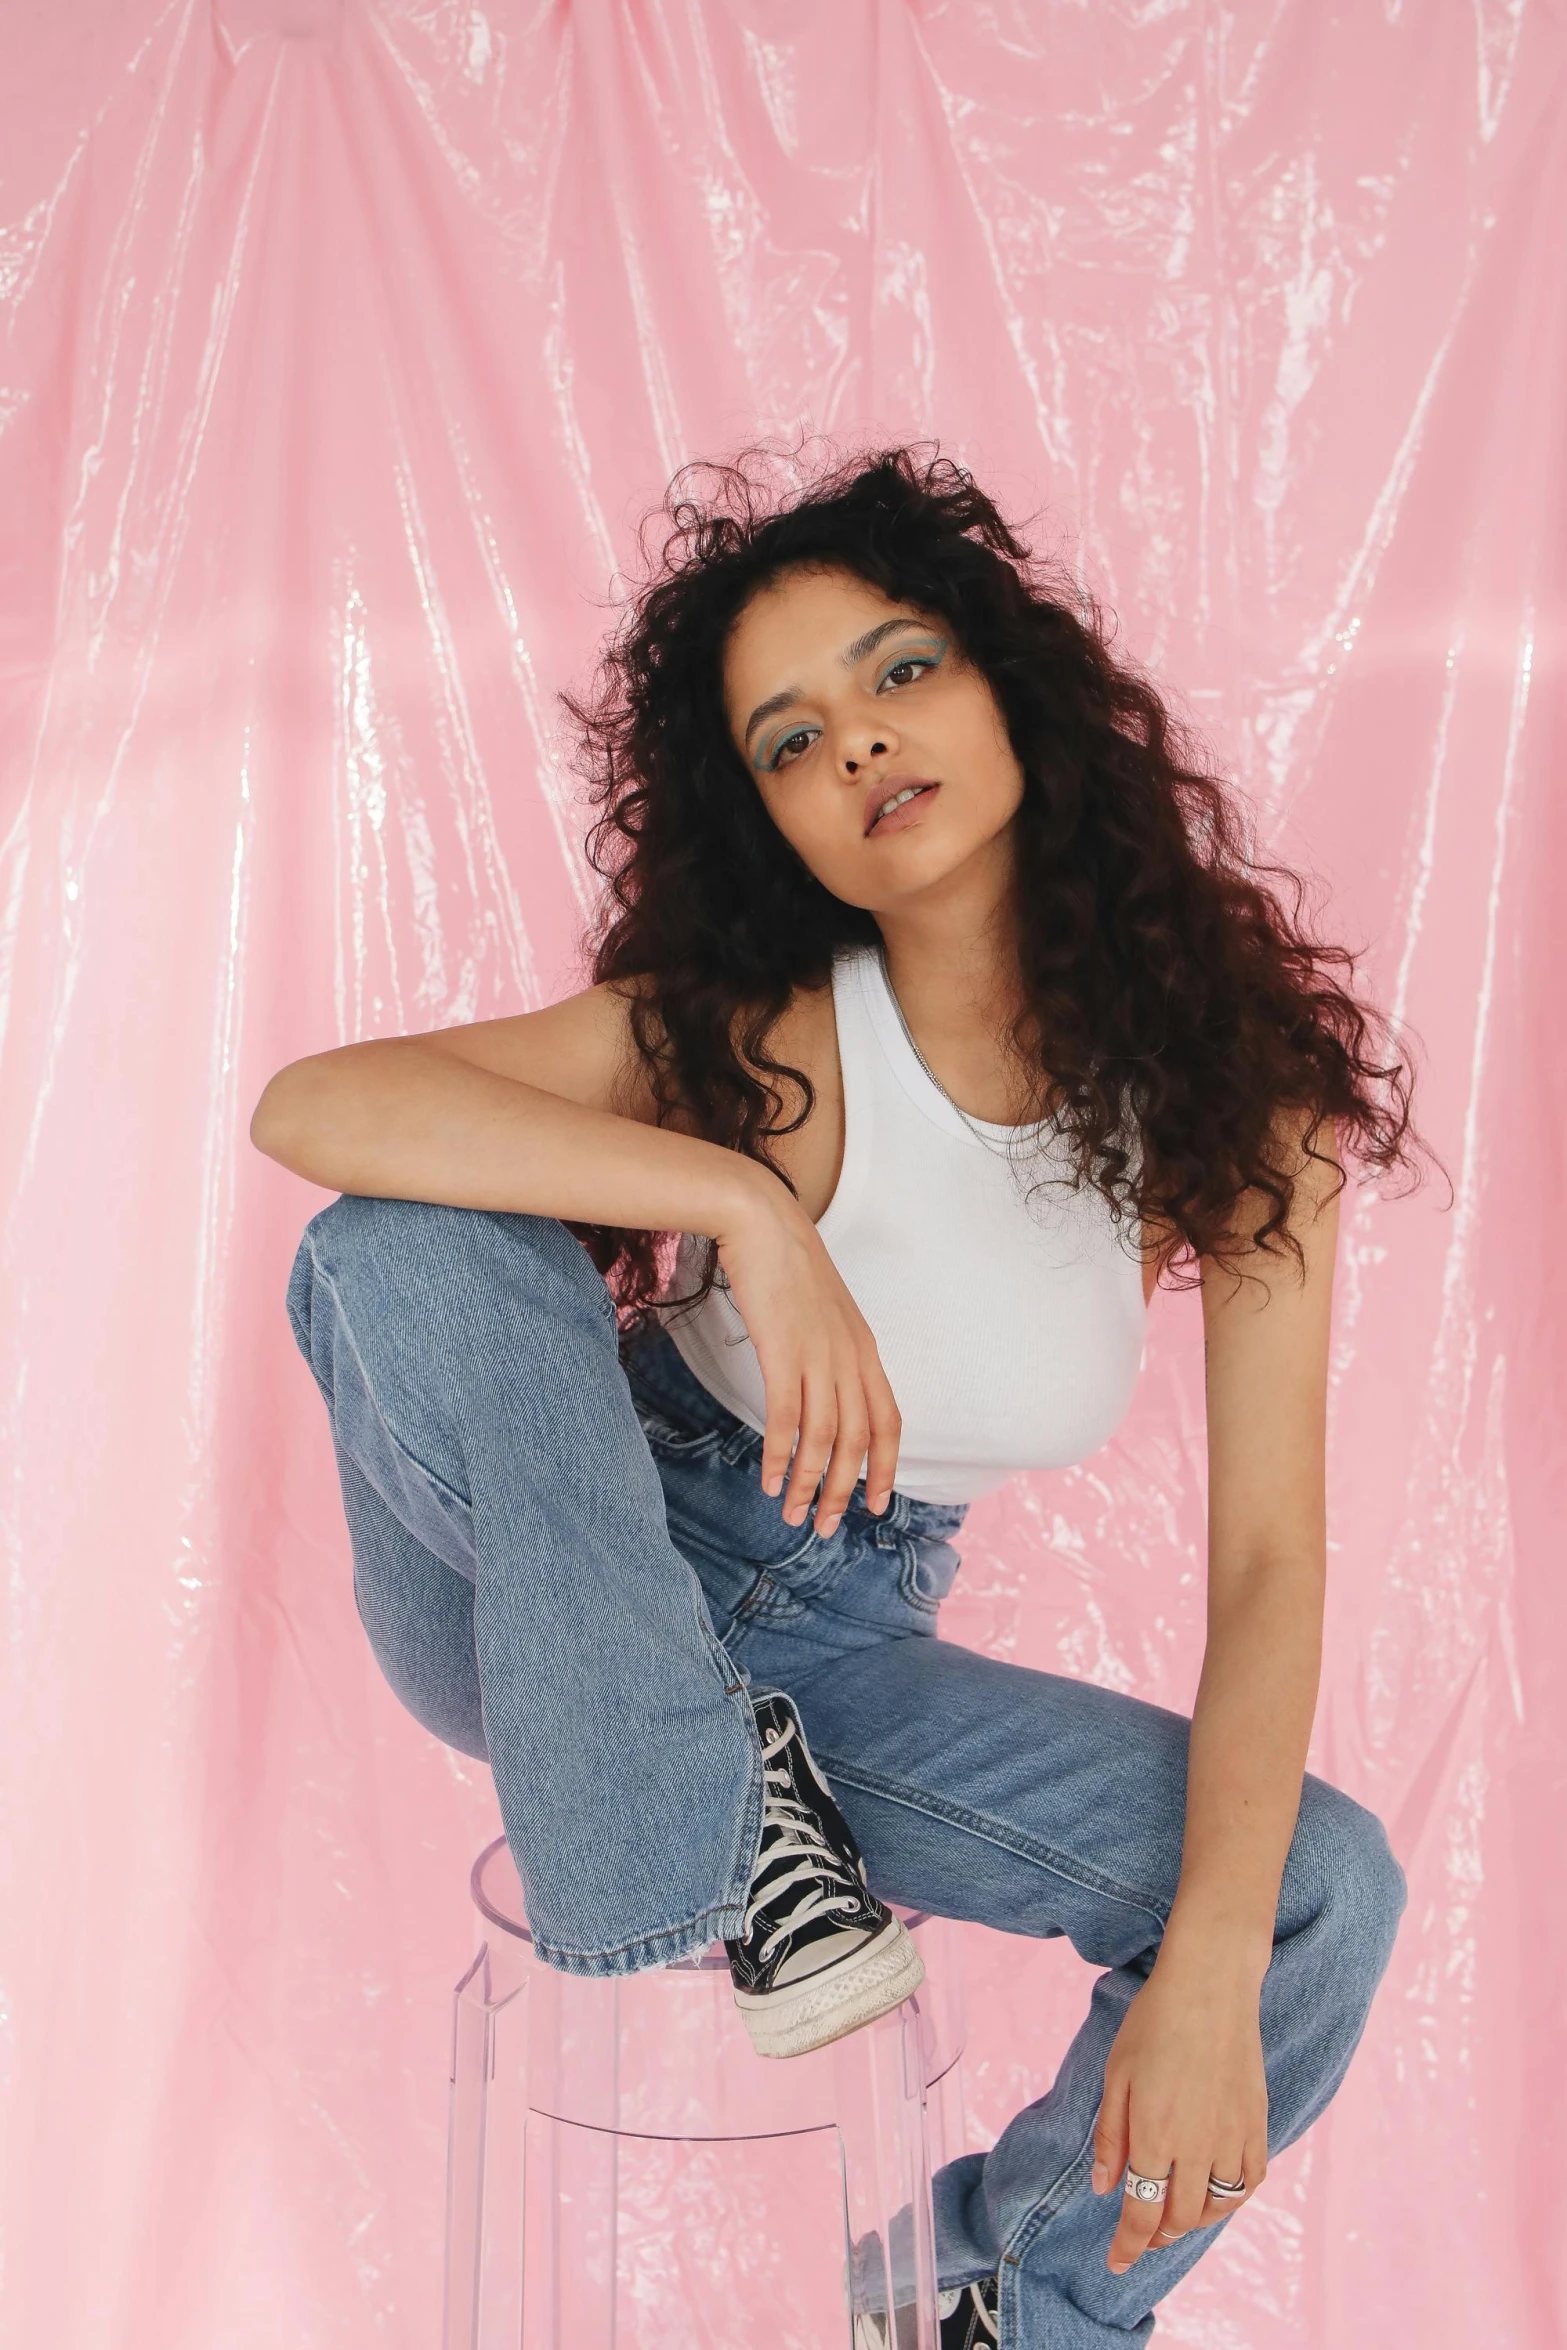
(552, 2074)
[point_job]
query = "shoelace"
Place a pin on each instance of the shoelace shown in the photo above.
(982, 2322)
(981, 2328)
(789, 1834)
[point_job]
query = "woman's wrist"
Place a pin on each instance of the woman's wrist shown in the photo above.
(752, 1196)
(1219, 1947)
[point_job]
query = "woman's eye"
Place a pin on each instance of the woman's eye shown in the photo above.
(795, 743)
(905, 671)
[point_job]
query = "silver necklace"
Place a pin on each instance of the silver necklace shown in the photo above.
(1022, 1133)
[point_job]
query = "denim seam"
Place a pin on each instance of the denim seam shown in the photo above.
(606, 1301)
(1042, 1855)
(1054, 2198)
(972, 2276)
(432, 1476)
(409, 1455)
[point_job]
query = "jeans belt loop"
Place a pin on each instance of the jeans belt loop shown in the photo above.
(738, 1443)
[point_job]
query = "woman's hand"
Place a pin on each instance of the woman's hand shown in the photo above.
(828, 1400)
(1184, 2094)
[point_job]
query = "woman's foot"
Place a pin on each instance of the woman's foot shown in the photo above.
(820, 1954)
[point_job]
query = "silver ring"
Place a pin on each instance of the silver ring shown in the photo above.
(1145, 2190)
(1220, 2188)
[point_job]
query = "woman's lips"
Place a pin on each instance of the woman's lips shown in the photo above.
(888, 788)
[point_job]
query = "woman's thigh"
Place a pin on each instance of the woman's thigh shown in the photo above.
(1024, 1800)
(1043, 1805)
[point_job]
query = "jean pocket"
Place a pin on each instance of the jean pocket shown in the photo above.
(669, 1440)
(927, 1569)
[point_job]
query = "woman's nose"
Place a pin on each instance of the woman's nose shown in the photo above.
(859, 752)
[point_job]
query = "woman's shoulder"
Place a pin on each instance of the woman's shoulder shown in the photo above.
(619, 1022)
(805, 1032)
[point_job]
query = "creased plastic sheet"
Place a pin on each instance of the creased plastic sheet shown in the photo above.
(344, 344)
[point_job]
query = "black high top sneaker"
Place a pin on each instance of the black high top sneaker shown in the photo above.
(820, 1954)
(968, 2317)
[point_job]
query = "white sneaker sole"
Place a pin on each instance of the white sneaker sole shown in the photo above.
(872, 1981)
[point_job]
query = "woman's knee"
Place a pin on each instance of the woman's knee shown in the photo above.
(1352, 1879)
(349, 1252)
(355, 1231)
(355, 1242)
(421, 1253)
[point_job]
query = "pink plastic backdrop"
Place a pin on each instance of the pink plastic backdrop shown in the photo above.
(344, 342)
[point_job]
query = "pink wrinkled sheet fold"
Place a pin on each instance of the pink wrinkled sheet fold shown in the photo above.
(345, 341)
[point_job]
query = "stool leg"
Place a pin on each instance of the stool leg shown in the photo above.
(946, 2117)
(572, 2218)
(486, 2141)
(880, 2089)
(944, 2009)
(572, 2234)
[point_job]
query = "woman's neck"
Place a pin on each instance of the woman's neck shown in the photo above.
(952, 952)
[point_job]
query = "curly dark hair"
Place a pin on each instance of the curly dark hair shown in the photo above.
(1163, 977)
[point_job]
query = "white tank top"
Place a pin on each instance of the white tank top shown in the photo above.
(1011, 1328)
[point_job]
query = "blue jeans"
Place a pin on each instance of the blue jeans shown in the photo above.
(569, 1568)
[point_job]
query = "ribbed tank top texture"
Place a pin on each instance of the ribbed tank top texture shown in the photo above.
(1010, 1326)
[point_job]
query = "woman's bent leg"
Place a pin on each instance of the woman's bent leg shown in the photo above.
(469, 1364)
(418, 1617)
(1046, 1806)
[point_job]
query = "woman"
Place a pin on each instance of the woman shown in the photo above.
(938, 1012)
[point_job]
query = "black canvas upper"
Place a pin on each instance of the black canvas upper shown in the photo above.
(789, 1879)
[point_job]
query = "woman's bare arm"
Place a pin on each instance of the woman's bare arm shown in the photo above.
(550, 1114)
(545, 1114)
(1266, 1349)
(1185, 2079)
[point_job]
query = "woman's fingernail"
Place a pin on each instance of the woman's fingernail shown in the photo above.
(1118, 2268)
(1101, 2178)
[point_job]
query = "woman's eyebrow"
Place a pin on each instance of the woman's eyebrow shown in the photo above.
(849, 656)
(771, 707)
(873, 636)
